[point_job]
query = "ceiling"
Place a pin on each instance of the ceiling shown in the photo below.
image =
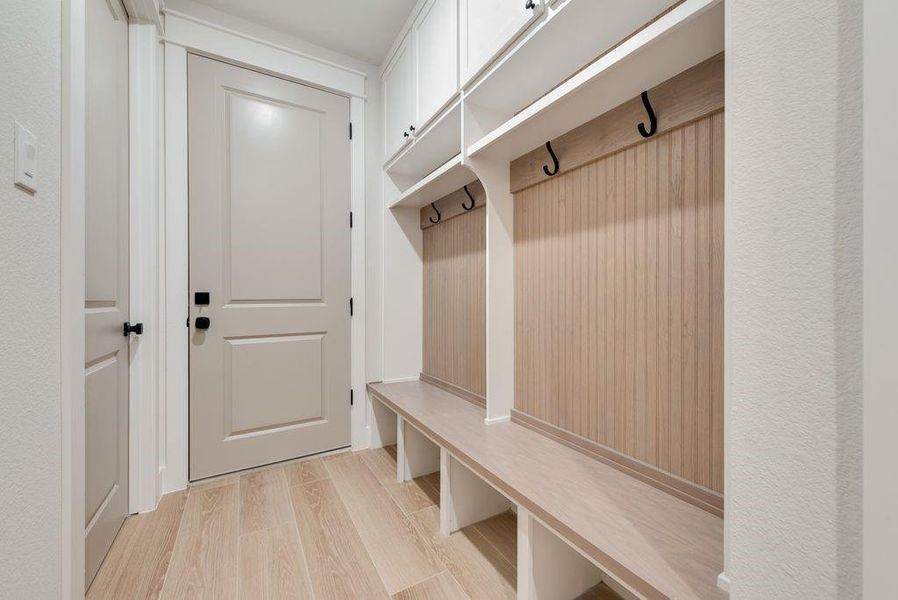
(362, 29)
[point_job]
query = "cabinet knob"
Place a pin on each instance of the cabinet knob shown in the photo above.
(530, 4)
(405, 134)
(411, 127)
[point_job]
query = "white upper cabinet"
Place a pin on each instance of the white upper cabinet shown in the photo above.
(436, 57)
(399, 98)
(488, 26)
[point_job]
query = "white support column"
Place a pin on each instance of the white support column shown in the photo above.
(494, 175)
(547, 566)
(416, 455)
(465, 498)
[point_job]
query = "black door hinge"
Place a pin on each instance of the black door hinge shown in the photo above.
(350, 307)
(350, 219)
(351, 399)
(350, 130)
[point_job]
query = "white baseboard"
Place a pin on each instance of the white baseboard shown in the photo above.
(495, 420)
(402, 379)
(723, 582)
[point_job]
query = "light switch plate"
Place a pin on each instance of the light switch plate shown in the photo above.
(26, 159)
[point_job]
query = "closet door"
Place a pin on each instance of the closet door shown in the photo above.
(436, 57)
(488, 27)
(399, 99)
(106, 280)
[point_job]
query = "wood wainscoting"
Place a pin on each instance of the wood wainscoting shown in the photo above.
(455, 296)
(619, 298)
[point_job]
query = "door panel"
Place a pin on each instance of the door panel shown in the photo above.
(436, 57)
(106, 280)
(285, 230)
(399, 99)
(269, 241)
(488, 27)
(286, 368)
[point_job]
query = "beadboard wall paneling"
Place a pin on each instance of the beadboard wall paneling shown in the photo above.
(455, 300)
(619, 301)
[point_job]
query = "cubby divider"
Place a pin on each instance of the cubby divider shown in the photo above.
(465, 498)
(416, 455)
(383, 427)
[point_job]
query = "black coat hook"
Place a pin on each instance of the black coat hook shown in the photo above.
(437, 211)
(464, 205)
(653, 122)
(554, 170)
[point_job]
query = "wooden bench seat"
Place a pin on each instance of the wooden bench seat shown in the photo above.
(654, 543)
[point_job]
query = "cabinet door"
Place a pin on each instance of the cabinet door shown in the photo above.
(399, 99)
(436, 57)
(488, 26)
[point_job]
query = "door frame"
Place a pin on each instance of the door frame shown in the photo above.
(187, 34)
(143, 29)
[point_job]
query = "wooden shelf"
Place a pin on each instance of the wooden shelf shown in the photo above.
(685, 36)
(569, 38)
(432, 147)
(445, 180)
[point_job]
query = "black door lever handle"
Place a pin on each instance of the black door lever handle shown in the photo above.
(128, 329)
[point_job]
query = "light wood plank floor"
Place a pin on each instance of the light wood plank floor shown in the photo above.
(336, 527)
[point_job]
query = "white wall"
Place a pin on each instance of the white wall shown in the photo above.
(402, 263)
(793, 299)
(403, 293)
(880, 300)
(30, 453)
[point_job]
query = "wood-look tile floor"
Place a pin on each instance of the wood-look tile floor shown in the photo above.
(336, 527)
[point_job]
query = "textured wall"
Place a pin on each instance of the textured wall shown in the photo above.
(30, 40)
(793, 298)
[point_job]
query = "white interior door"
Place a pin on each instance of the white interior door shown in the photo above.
(106, 280)
(270, 245)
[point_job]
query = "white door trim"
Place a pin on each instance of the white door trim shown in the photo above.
(880, 450)
(144, 373)
(72, 297)
(145, 12)
(185, 34)
(241, 49)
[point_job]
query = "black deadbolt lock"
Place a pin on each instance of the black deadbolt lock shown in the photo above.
(201, 298)
(202, 322)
